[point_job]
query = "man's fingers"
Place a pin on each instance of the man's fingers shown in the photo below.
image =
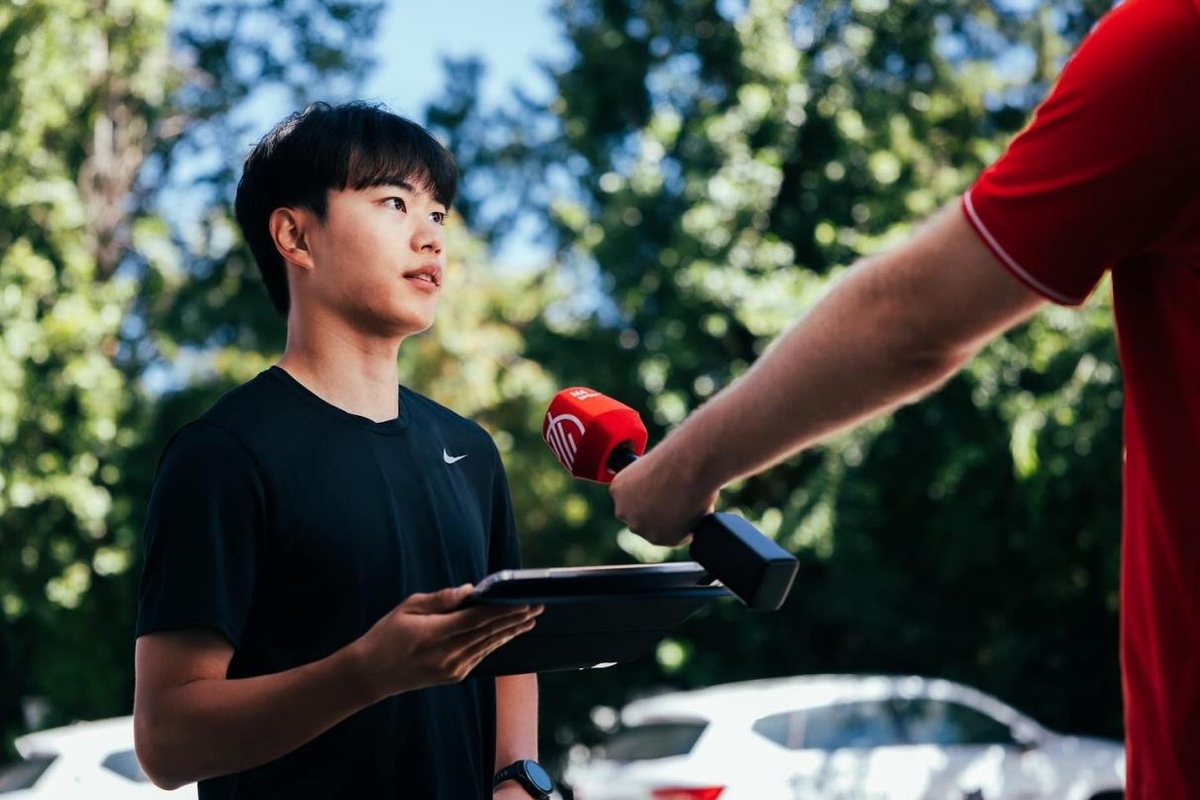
(465, 631)
(478, 650)
(470, 620)
(440, 602)
(458, 664)
(458, 646)
(450, 621)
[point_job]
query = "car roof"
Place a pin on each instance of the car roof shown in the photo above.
(758, 698)
(103, 735)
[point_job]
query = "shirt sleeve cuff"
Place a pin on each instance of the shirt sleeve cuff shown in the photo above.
(1010, 263)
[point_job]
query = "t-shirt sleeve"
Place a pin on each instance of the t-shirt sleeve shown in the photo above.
(503, 550)
(204, 535)
(1108, 160)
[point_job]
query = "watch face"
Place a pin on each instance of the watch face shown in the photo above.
(538, 776)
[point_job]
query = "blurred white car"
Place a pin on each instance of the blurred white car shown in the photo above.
(84, 761)
(842, 737)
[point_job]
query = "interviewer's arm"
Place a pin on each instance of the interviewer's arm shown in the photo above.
(893, 328)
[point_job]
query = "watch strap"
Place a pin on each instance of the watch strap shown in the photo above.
(516, 772)
(512, 771)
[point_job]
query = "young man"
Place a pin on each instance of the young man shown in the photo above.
(296, 633)
(1105, 178)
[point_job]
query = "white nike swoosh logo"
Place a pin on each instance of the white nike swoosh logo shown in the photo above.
(449, 459)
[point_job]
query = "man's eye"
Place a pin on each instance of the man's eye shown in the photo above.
(396, 203)
(439, 217)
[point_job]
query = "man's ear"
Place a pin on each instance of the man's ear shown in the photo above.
(288, 227)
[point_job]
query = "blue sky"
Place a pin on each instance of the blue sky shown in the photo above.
(413, 37)
(510, 36)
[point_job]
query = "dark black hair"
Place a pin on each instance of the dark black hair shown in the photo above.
(329, 148)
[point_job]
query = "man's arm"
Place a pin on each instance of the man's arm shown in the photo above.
(191, 722)
(893, 328)
(516, 726)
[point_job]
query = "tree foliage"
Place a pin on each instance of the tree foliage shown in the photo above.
(702, 173)
(74, 132)
(101, 279)
(717, 166)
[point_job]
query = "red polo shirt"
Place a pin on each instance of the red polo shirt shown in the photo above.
(1107, 177)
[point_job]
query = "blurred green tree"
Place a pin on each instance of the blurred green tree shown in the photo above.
(110, 116)
(706, 169)
(80, 94)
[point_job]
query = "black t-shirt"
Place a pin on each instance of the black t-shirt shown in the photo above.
(290, 527)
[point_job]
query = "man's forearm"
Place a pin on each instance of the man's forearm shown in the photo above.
(815, 381)
(892, 329)
(211, 727)
(191, 722)
(516, 719)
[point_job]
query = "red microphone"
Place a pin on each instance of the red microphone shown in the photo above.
(595, 437)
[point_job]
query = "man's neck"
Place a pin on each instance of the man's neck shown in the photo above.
(344, 367)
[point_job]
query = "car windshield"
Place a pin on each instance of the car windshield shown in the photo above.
(23, 774)
(653, 740)
(946, 723)
(125, 764)
(870, 723)
(883, 723)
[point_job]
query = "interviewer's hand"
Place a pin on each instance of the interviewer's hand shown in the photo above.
(657, 498)
(430, 640)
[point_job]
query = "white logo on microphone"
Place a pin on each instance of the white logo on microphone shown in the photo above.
(562, 439)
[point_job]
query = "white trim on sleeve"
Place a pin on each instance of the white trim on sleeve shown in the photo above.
(1011, 262)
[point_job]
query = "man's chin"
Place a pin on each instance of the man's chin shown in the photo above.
(396, 327)
(406, 320)
(413, 326)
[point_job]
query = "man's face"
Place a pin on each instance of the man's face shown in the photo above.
(379, 258)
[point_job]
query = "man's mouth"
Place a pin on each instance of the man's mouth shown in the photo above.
(430, 273)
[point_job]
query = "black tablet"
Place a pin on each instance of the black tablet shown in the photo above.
(594, 616)
(569, 581)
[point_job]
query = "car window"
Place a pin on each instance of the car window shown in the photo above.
(125, 764)
(654, 740)
(869, 723)
(785, 730)
(944, 723)
(23, 774)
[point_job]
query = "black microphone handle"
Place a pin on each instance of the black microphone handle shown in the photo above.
(621, 457)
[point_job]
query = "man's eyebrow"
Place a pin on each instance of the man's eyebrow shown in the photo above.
(388, 183)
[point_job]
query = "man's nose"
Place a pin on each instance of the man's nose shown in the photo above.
(428, 237)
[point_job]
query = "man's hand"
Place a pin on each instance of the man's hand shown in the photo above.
(429, 640)
(658, 498)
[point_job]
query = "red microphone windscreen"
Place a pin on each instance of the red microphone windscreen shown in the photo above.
(584, 427)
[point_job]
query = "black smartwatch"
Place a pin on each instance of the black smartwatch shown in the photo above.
(530, 775)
